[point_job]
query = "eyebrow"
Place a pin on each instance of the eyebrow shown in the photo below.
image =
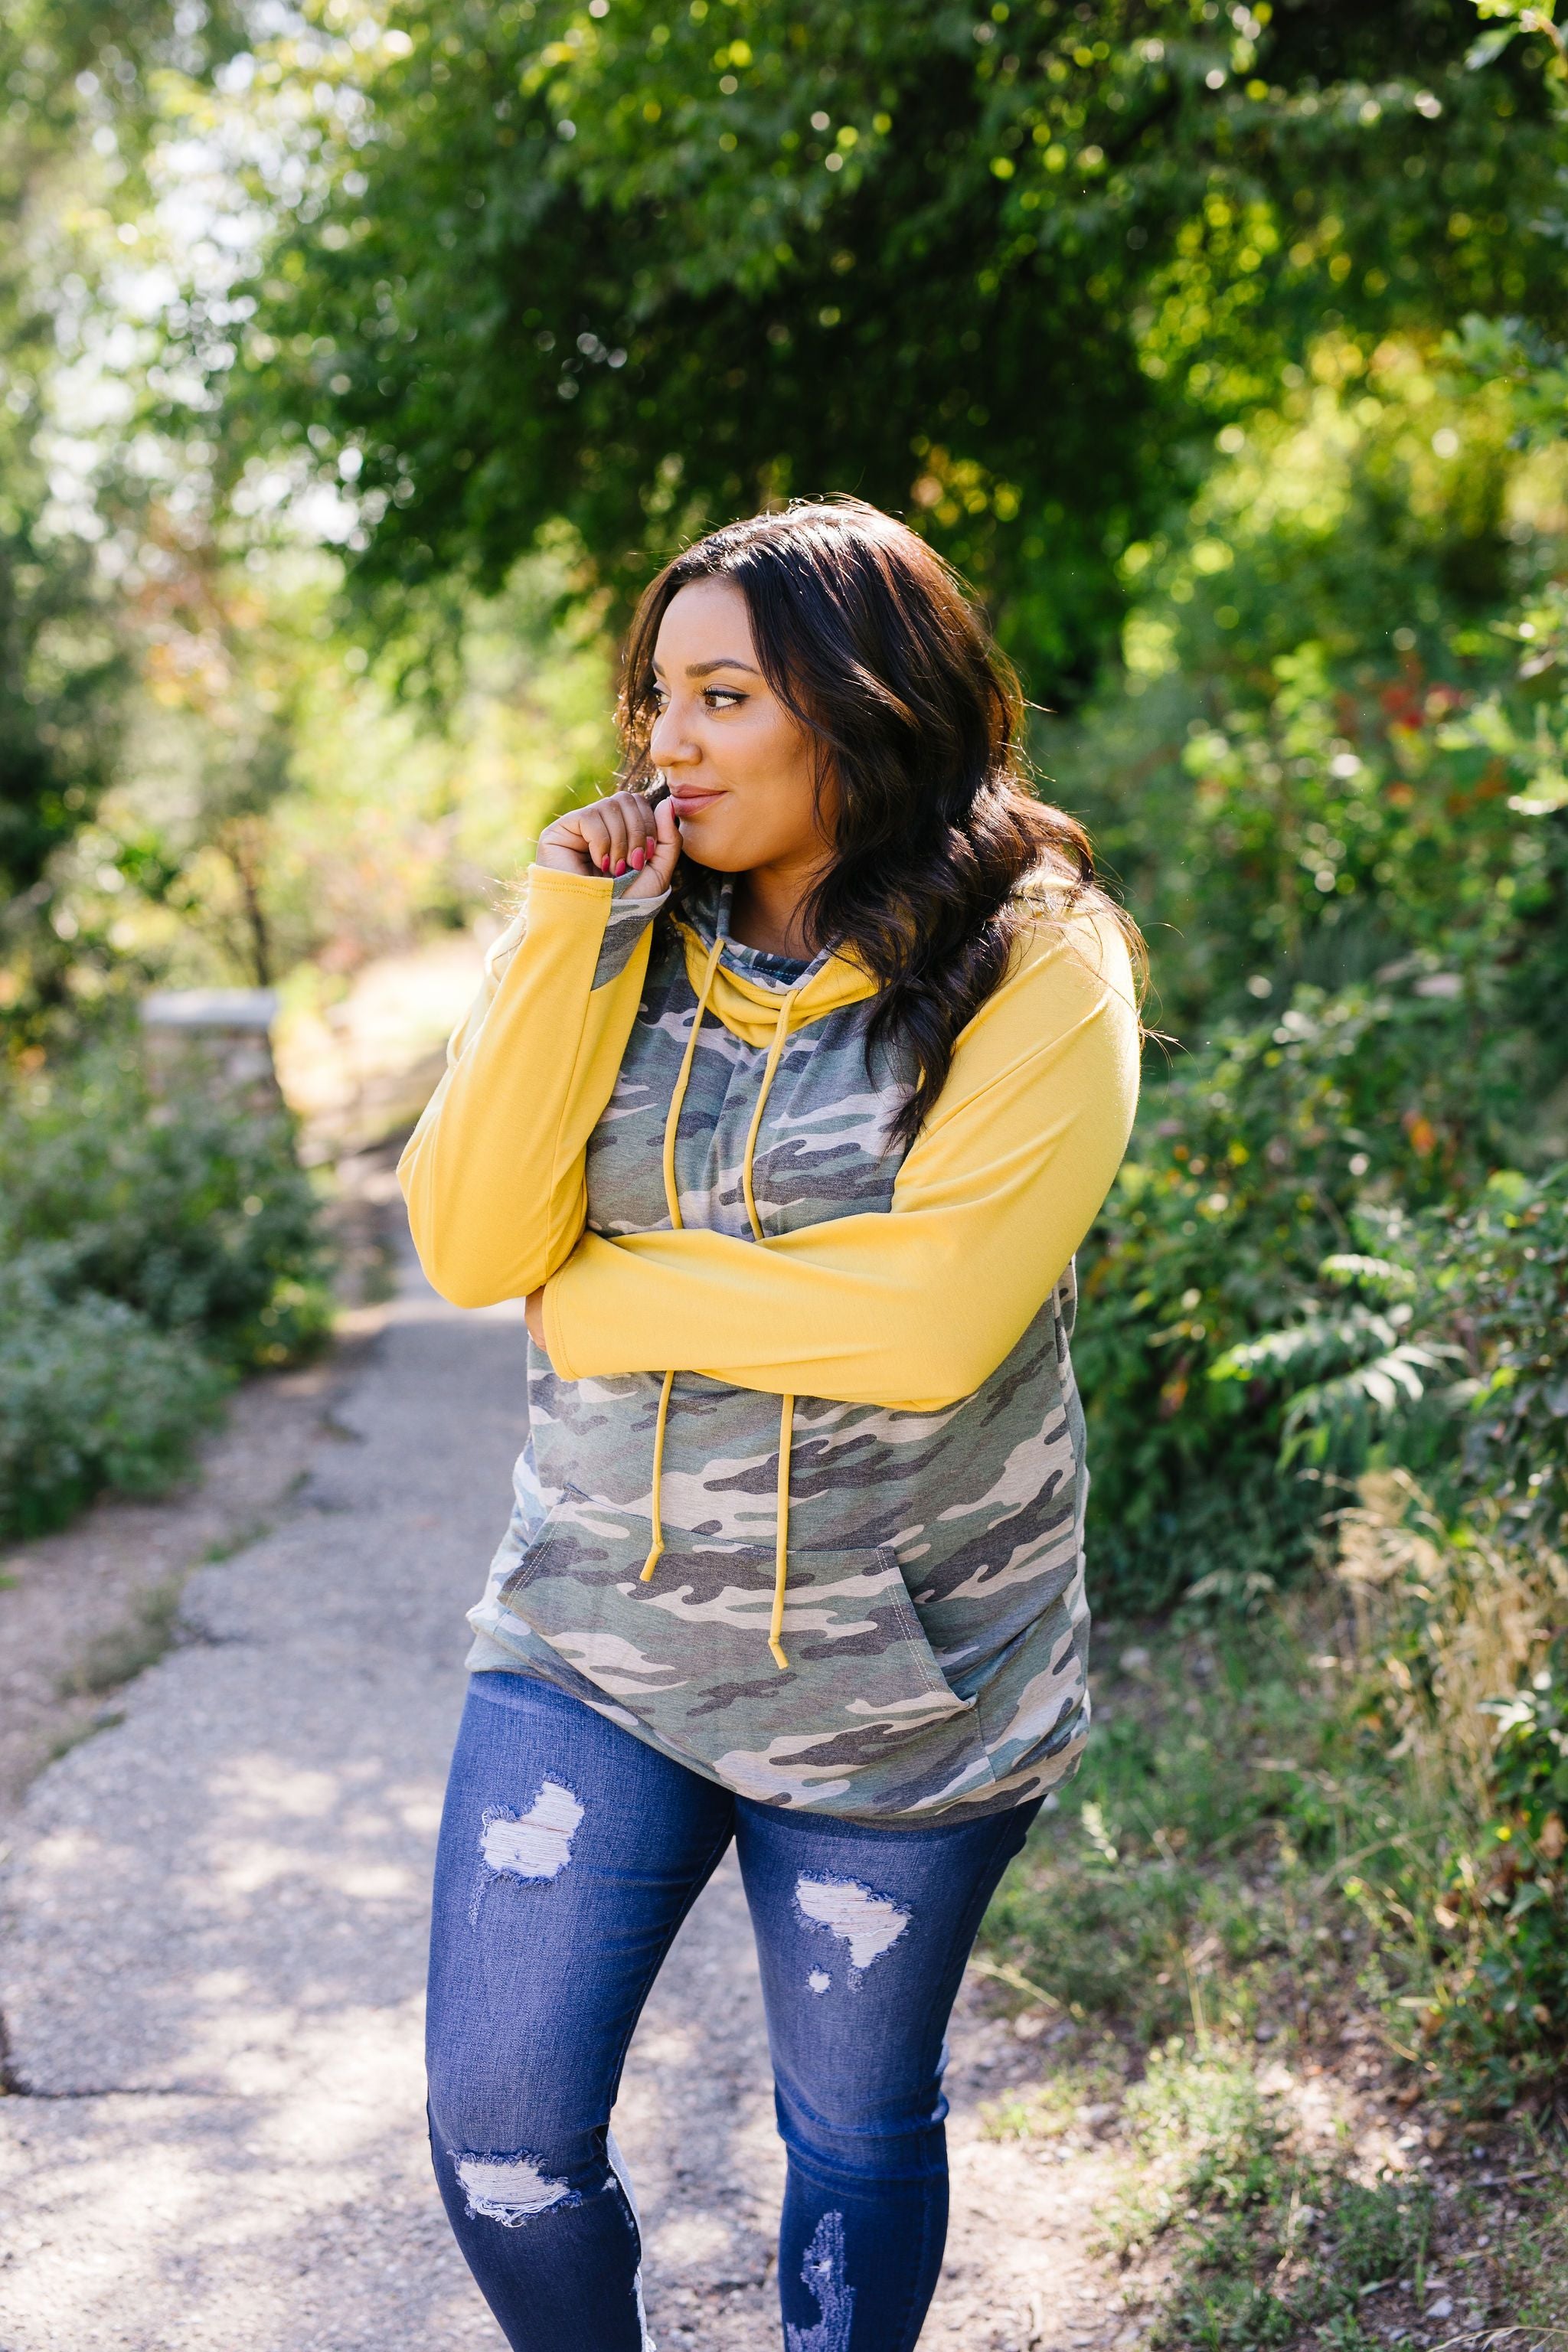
(725, 661)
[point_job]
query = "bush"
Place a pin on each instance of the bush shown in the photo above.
(151, 1250)
(1245, 1175)
(1368, 1370)
(1460, 1689)
(1498, 1272)
(196, 1212)
(91, 1396)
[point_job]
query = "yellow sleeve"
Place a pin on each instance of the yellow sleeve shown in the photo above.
(493, 1174)
(914, 1307)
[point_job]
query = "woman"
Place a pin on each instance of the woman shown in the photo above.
(790, 1095)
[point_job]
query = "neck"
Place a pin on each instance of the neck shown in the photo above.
(767, 908)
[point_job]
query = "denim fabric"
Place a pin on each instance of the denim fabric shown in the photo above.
(570, 1851)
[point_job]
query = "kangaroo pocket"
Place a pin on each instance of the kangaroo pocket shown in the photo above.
(861, 1720)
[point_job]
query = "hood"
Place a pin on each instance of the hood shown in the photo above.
(748, 1002)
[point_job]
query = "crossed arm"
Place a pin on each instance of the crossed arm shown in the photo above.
(917, 1307)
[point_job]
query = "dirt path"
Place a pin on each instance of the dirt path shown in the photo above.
(215, 1917)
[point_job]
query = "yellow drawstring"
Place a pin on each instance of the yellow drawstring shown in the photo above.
(656, 1552)
(786, 1412)
(781, 1538)
(781, 1038)
(672, 1202)
(671, 1197)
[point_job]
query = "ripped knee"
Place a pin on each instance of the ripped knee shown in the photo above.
(510, 2190)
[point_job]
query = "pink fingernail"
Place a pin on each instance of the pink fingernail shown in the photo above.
(620, 867)
(604, 865)
(638, 856)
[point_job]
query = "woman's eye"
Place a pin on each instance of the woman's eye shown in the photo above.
(720, 698)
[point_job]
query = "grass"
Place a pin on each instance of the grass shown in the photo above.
(1265, 2242)
(1177, 1887)
(106, 1719)
(125, 1650)
(1240, 1903)
(241, 1538)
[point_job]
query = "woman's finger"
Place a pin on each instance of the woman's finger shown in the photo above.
(596, 837)
(661, 855)
(616, 817)
(563, 846)
(664, 850)
(642, 830)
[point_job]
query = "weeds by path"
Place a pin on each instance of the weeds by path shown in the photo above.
(1227, 1938)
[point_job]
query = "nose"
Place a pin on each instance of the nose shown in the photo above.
(669, 746)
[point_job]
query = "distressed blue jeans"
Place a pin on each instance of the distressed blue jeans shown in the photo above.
(570, 1853)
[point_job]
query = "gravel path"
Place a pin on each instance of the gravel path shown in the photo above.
(212, 1972)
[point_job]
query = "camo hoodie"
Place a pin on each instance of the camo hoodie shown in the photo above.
(801, 1500)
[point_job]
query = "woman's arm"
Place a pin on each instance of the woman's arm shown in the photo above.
(915, 1308)
(493, 1174)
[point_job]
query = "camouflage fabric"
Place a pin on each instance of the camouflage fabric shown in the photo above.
(935, 1622)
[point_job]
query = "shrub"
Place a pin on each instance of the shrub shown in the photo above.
(1461, 1686)
(152, 1250)
(1498, 1275)
(196, 1212)
(91, 1396)
(1368, 1368)
(1243, 1176)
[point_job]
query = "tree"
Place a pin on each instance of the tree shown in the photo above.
(1002, 267)
(68, 69)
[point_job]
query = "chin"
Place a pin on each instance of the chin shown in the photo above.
(718, 857)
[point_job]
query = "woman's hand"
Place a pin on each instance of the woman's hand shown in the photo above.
(618, 835)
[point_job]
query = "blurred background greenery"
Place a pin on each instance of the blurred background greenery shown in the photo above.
(361, 361)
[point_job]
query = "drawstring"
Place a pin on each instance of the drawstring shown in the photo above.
(781, 1038)
(672, 1198)
(672, 1202)
(781, 1538)
(786, 1412)
(656, 1552)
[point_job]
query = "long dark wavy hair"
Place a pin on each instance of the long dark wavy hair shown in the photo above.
(875, 646)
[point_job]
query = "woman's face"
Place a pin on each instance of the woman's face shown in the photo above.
(738, 763)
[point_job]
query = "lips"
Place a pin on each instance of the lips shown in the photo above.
(690, 800)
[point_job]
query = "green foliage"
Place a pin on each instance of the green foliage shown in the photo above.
(1330, 777)
(1137, 1902)
(1263, 1833)
(1337, 746)
(1348, 1371)
(1498, 2002)
(1498, 1272)
(1268, 2243)
(191, 1211)
(69, 69)
(151, 1250)
(643, 269)
(1479, 1289)
(92, 1395)
(1243, 1176)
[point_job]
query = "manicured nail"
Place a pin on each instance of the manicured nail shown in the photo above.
(620, 867)
(637, 857)
(604, 865)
